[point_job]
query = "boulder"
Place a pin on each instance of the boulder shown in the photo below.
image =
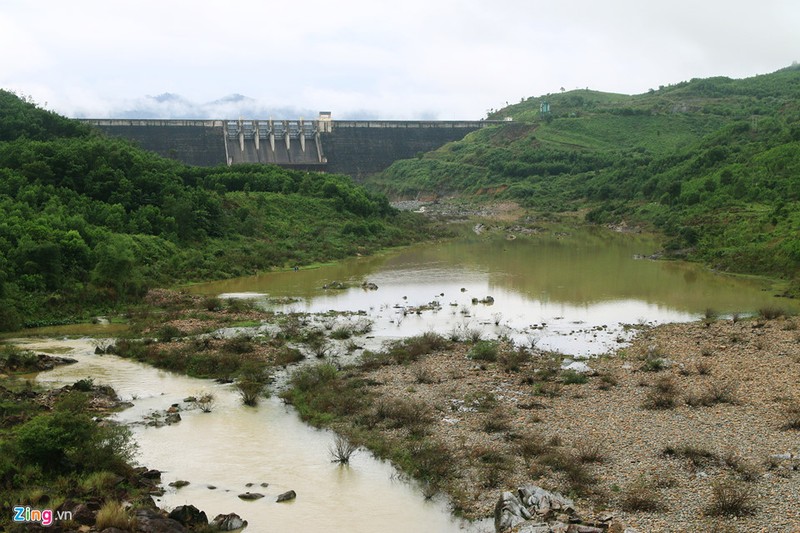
(509, 512)
(151, 521)
(540, 501)
(151, 474)
(189, 515)
(286, 496)
(228, 522)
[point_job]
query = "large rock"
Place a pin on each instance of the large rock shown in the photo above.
(286, 496)
(509, 512)
(228, 522)
(151, 521)
(189, 515)
(540, 501)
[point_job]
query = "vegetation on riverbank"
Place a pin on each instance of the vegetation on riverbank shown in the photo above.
(91, 222)
(52, 453)
(713, 163)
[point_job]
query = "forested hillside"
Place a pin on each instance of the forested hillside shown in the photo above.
(714, 163)
(89, 221)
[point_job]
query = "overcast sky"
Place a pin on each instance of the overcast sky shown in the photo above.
(406, 59)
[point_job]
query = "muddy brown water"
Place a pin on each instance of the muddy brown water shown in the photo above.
(573, 292)
(234, 446)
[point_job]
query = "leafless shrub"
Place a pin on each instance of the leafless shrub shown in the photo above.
(205, 402)
(341, 449)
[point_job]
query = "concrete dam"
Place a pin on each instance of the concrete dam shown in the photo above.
(352, 147)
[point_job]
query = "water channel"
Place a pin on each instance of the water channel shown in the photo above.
(576, 293)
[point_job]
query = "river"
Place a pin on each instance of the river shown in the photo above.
(577, 292)
(234, 446)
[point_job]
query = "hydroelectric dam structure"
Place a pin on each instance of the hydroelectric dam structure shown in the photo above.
(353, 147)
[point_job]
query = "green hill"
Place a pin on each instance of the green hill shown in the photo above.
(89, 222)
(713, 163)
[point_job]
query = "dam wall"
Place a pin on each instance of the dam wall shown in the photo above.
(356, 148)
(359, 148)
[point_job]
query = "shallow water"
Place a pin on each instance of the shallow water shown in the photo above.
(236, 445)
(575, 293)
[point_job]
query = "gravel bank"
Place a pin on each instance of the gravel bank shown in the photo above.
(731, 386)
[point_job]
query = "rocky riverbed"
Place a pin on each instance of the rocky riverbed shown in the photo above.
(694, 427)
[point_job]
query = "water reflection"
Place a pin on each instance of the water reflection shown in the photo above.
(572, 283)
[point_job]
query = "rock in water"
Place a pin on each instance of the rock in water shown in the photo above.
(228, 522)
(286, 496)
(189, 516)
(250, 496)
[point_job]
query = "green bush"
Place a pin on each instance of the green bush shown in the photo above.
(484, 351)
(68, 439)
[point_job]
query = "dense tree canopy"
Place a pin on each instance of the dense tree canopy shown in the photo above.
(89, 220)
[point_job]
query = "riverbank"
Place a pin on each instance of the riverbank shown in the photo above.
(693, 427)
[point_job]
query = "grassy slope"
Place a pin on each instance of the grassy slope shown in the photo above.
(714, 163)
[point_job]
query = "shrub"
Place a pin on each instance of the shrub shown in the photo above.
(206, 402)
(589, 452)
(311, 377)
(341, 333)
(481, 400)
(212, 303)
(607, 381)
(99, 483)
(575, 473)
(342, 449)
(497, 421)
(654, 364)
(662, 395)
(413, 348)
(548, 389)
(712, 394)
(791, 415)
(430, 462)
(770, 312)
(402, 413)
(512, 360)
(641, 496)
(68, 439)
(167, 333)
(238, 305)
(424, 375)
(571, 377)
(697, 455)
(746, 470)
(484, 351)
(730, 498)
(287, 355)
(239, 345)
(113, 514)
(83, 385)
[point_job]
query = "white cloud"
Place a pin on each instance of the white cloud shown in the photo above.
(397, 60)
